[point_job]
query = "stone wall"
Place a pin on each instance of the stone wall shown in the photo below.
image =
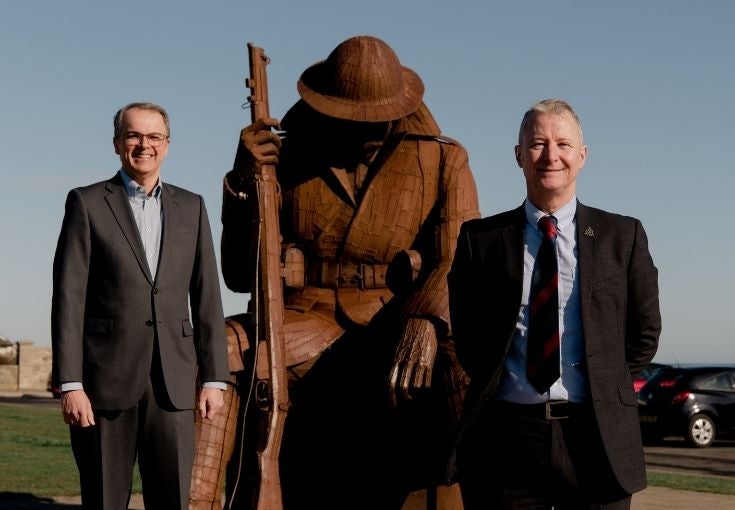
(8, 377)
(32, 371)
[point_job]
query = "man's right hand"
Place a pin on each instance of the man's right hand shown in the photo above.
(262, 142)
(77, 409)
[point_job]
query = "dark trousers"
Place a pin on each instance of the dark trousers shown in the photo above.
(513, 457)
(161, 436)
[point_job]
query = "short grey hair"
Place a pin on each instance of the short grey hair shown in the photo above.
(117, 120)
(553, 106)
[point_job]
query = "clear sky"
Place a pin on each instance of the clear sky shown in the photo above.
(652, 82)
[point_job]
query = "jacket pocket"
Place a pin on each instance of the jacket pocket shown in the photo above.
(186, 329)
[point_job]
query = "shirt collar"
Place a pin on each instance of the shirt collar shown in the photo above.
(134, 189)
(564, 216)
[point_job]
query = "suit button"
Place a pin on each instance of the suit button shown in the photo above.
(149, 323)
(155, 290)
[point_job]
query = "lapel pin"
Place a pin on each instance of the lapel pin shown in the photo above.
(589, 232)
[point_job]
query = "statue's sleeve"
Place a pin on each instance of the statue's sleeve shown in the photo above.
(457, 203)
(237, 216)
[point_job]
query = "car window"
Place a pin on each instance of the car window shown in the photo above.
(647, 372)
(652, 368)
(720, 382)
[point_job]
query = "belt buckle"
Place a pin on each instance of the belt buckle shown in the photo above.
(549, 405)
(349, 276)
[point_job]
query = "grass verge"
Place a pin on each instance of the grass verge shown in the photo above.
(35, 453)
(678, 481)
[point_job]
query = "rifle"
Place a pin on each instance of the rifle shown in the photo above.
(267, 299)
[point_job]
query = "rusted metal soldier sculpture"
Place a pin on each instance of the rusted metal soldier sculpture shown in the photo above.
(372, 197)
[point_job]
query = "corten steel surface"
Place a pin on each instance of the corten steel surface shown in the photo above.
(362, 80)
(215, 442)
(369, 217)
(216, 438)
(268, 301)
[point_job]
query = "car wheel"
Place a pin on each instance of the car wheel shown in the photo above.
(701, 431)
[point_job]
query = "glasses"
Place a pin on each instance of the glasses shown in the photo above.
(131, 138)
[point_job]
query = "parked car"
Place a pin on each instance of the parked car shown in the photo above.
(642, 378)
(696, 402)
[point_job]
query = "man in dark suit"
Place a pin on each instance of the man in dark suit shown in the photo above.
(133, 257)
(570, 438)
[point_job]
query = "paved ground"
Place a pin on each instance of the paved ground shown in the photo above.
(673, 455)
(659, 498)
(653, 498)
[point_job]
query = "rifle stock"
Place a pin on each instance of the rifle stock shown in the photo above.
(267, 297)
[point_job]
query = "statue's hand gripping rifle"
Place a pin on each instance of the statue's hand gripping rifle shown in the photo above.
(267, 300)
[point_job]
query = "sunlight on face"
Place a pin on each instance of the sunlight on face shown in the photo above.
(551, 154)
(142, 161)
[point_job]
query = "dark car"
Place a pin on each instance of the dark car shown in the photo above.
(642, 378)
(696, 402)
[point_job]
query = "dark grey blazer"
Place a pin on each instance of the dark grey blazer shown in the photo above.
(107, 310)
(620, 317)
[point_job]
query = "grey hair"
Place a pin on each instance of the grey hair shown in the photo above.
(553, 106)
(117, 120)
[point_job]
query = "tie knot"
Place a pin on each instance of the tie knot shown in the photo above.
(547, 225)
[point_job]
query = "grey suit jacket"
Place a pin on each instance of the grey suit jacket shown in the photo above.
(107, 311)
(620, 317)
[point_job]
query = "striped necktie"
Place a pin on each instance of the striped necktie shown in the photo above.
(543, 324)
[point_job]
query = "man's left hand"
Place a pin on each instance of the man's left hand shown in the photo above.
(210, 400)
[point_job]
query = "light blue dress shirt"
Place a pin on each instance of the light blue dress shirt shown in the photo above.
(572, 384)
(148, 217)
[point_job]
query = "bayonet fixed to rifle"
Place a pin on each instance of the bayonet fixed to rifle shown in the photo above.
(267, 298)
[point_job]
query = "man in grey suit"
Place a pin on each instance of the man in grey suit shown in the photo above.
(134, 256)
(570, 439)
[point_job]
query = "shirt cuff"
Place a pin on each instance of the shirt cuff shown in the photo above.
(214, 384)
(70, 386)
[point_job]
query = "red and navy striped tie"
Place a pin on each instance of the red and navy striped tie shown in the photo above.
(543, 323)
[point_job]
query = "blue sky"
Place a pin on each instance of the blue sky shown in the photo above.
(652, 82)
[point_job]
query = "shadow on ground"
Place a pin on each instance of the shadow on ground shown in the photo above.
(25, 501)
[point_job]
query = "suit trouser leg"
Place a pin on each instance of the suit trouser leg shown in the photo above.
(580, 463)
(105, 456)
(105, 453)
(165, 451)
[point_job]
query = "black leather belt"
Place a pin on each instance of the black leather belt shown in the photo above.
(549, 410)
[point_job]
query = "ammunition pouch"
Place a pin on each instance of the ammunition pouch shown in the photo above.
(294, 265)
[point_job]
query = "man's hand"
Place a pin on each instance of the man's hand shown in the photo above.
(209, 402)
(414, 359)
(77, 409)
(261, 142)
